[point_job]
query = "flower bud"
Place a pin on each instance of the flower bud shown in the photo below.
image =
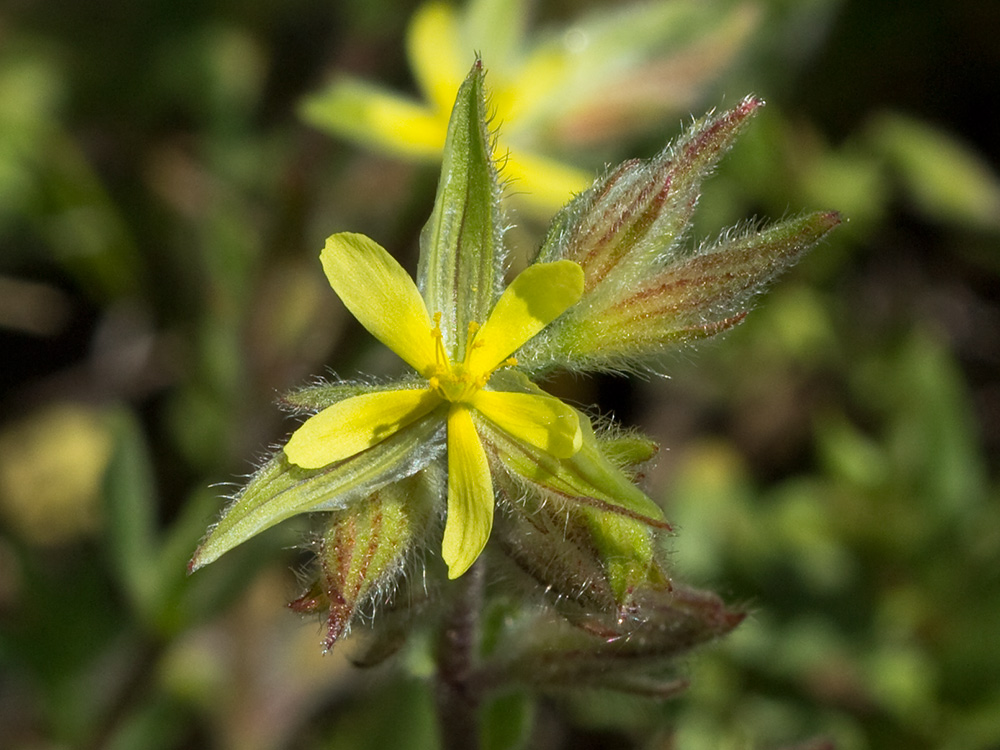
(363, 550)
(644, 291)
(636, 656)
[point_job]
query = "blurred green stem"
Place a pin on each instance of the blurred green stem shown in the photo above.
(458, 693)
(132, 692)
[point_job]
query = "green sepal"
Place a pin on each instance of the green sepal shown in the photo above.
(317, 396)
(693, 298)
(636, 213)
(588, 476)
(461, 252)
(646, 290)
(638, 655)
(622, 520)
(281, 490)
(626, 449)
(363, 547)
(589, 561)
(547, 541)
(627, 548)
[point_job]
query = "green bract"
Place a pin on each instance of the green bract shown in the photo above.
(610, 288)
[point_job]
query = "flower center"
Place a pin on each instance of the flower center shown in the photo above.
(457, 382)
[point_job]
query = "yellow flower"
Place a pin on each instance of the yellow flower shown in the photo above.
(611, 288)
(382, 296)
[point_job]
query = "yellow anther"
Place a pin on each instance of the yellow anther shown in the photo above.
(470, 342)
(455, 382)
(440, 355)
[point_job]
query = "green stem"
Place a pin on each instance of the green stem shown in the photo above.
(458, 693)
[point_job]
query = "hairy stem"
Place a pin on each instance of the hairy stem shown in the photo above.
(458, 693)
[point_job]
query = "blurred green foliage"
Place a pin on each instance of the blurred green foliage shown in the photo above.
(832, 462)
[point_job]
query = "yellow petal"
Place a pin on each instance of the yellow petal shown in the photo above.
(360, 111)
(437, 62)
(381, 295)
(470, 494)
(355, 424)
(539, 295)
(541, 182)
(542, 421)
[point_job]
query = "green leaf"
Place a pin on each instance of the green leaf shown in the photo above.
(281, 490)
(130, 511)
(507, 721)
(461, 254)
(946, 178)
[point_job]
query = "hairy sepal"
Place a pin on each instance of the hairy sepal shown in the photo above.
(688, 299)
(646, 289)
(319, 395)
(588, 563)
(638, 655)
(587, 477)
(363, 549)
(617, 519)
(639, 211)
(280, 490)
(461, 250)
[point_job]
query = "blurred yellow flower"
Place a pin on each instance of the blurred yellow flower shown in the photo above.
(51, 467)
(591, 82)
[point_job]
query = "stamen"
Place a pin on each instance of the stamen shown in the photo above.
(470, 342)
(454, 381)
(440, 355)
